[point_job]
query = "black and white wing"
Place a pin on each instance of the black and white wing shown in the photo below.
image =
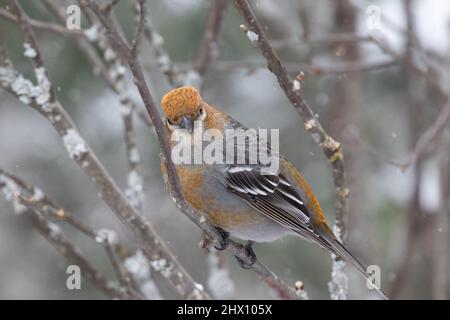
(275, 198)
(272, 195)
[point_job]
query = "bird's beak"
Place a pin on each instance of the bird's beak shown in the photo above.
(187, 123)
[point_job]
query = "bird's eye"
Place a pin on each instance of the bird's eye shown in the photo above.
(201, 114)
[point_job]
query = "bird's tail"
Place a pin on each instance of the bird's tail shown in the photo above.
(337, 248)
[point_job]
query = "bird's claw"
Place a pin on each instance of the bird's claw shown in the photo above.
(223, 241)
(250, 253)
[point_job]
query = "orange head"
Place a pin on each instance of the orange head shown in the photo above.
(182, 107)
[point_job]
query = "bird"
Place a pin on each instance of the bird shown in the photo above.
(241, 199)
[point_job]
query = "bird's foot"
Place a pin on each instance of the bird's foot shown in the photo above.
(250, 253)
(223, 241)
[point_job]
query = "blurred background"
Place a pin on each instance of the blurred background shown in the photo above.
(377, 101)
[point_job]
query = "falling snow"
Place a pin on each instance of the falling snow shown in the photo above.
(74, 144)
